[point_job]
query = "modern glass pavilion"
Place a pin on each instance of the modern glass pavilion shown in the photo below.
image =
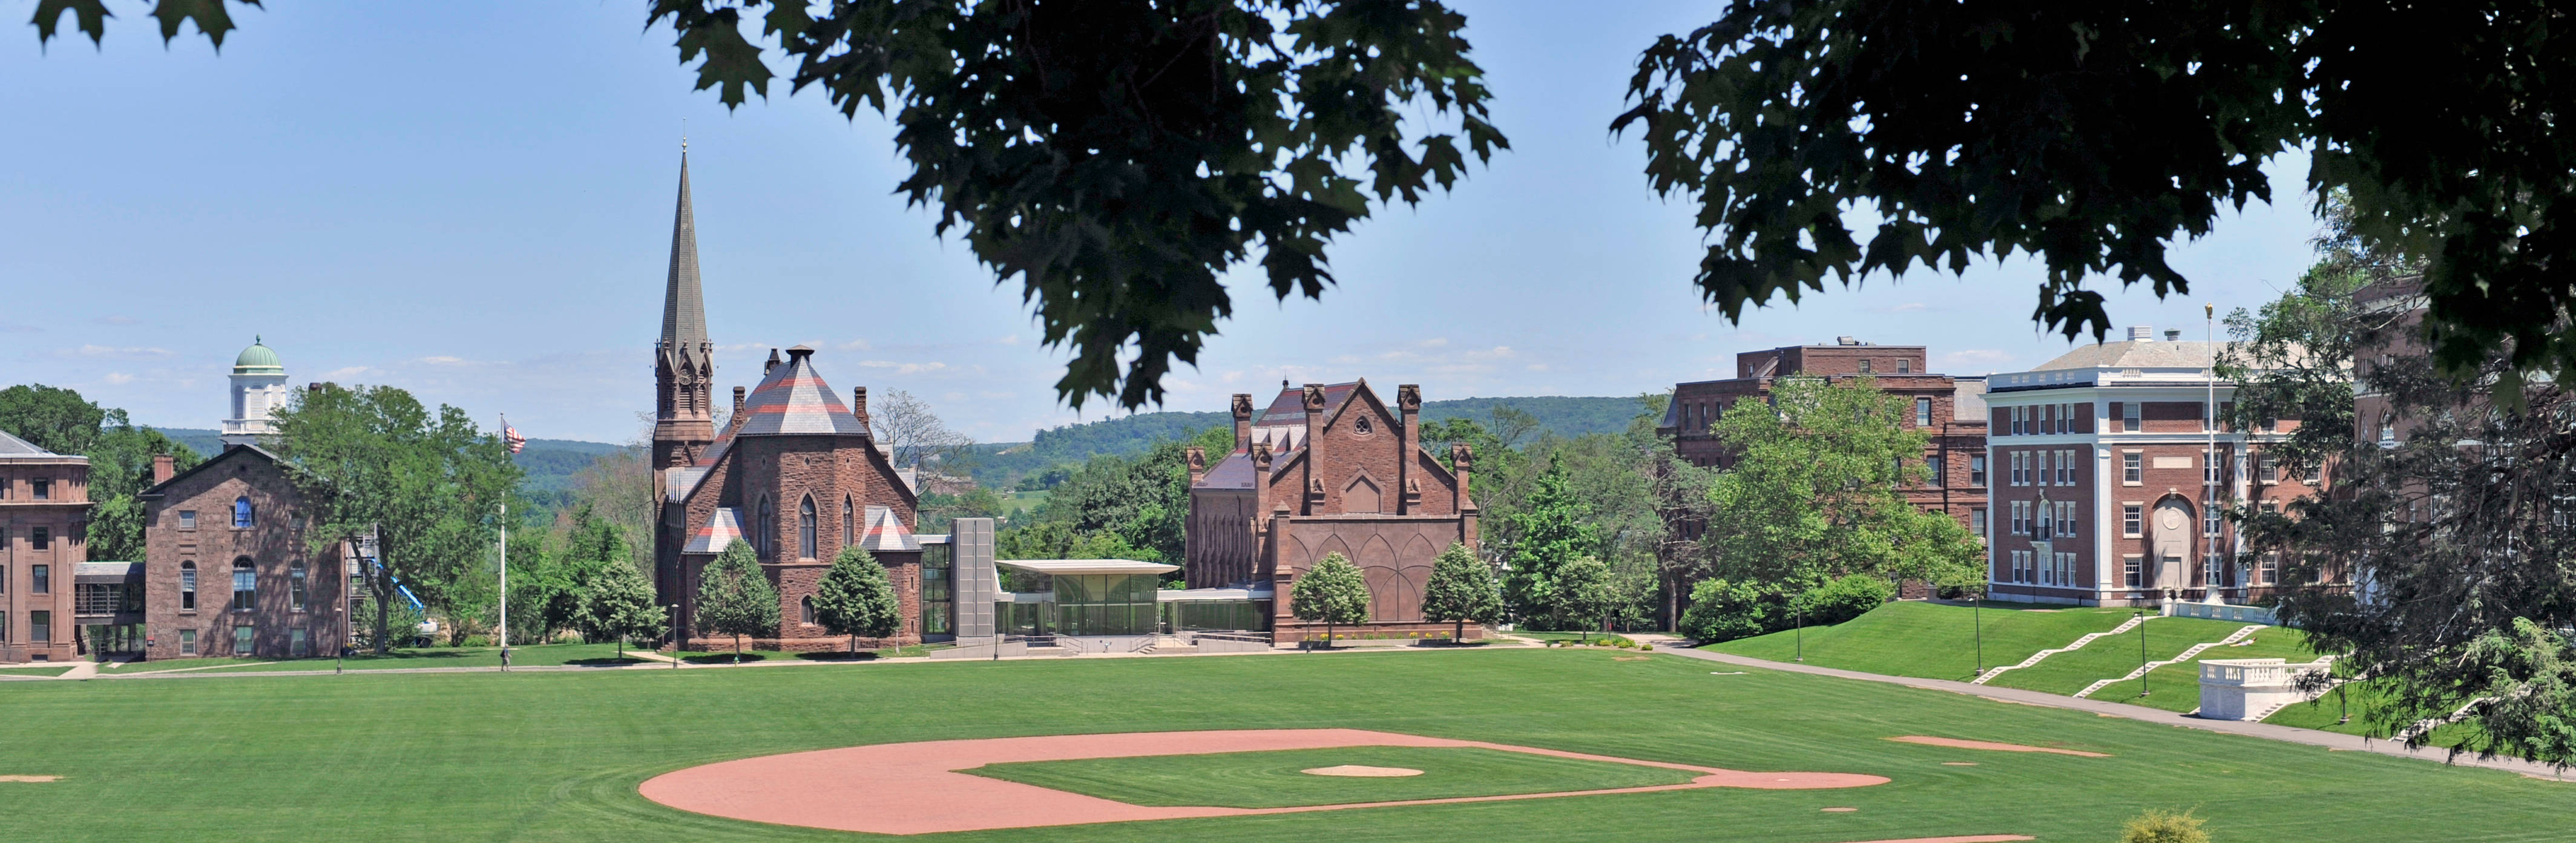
(1082, 597)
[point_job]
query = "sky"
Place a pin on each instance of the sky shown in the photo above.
(472, 201)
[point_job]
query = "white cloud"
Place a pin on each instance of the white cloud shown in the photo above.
(345, 372)
(119, 378)
(443, 360)
(903, 368)
(120, 352)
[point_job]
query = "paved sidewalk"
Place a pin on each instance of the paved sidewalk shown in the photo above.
(2311, 737)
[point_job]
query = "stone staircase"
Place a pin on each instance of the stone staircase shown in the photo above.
(2187, 655)
(2266, 712)
(2130, 624)
(2419, 727)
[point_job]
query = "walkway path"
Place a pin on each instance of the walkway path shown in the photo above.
(2188, 654)
(2088, 638)
(2311, 737)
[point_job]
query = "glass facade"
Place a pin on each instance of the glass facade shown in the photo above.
(1217, 616)
(1106, 604)
(938, 594)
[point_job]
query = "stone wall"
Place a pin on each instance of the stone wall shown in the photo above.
(274, 544)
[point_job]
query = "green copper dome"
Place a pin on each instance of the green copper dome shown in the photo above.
(257, 360)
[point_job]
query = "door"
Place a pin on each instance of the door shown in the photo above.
(2172, 543)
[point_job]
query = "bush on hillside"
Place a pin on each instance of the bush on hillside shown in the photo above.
(1842, 599)
(1723, 610)
(2161, 826)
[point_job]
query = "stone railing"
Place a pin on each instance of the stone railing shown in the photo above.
(2248, 689)
(2221, 612)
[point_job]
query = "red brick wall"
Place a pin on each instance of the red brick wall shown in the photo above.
(64, 515)
(784, 470)
(274, 544)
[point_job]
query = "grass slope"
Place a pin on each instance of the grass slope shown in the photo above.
(1275, 780)
(1931, 640)
(2111, 657)
(556, 756)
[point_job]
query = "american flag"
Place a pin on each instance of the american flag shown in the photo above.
(511, 435)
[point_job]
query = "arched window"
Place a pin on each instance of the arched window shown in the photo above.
(805, 528)
(296, 590)
(242, 519)
(766, 544)
(188, 586)
(849, 525)
(245, 585)
(805, 611)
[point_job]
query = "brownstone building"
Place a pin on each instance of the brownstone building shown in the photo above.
(1328, 469)
(1950, 409)
(44, 520)
(2113, 472)
(795, 473)
(226, 569)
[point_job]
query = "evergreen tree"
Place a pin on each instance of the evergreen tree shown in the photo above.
(619, 605)
(594, 547)
(1333, 592)
(1550, 529)
(857, 599)
(735, 598)
(1462, 588)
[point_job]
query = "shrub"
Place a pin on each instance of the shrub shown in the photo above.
(1722, 610)
(1843, 599)
(2158, 825)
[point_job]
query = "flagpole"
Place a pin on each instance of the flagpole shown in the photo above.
(505, 561)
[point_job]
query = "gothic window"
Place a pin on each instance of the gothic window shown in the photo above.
(805, 611)
(805, 528)
(1363, 426)
(766, 542)
(849, 525)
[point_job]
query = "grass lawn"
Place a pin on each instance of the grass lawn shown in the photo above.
(2110, 657)
(2177, 686)
(557, 756)
(541, 655)
(1597, 638)
(1274, 780)
(1932, 640)
(56, 670)
(174, 664)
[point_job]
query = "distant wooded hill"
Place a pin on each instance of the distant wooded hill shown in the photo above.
(1003, 463)
(550, 463)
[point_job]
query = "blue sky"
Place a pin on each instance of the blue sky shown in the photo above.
(472, 200)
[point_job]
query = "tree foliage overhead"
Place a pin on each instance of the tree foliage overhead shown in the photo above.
(2094, 135)
(1119, 158)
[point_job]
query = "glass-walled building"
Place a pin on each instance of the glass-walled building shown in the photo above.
(1081, 597)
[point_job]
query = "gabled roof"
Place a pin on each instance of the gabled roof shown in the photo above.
(230, 452)
(1290, 406)
(14, 447)
(2138, 354)
(885, 532)
(721, 531)
(793, 400)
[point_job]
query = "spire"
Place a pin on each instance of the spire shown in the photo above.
(684, 308)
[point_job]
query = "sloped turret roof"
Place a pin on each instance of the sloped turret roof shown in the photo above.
(793, 399)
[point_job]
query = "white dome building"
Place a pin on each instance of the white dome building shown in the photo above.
(259, 388)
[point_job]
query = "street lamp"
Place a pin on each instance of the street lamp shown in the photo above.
(1798, 615)
(1977, 619)
(340, 654)
(675, 636)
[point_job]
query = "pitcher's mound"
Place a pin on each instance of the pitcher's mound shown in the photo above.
(1361, 771)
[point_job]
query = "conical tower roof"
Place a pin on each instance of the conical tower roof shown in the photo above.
(684, 307)
(794, 399)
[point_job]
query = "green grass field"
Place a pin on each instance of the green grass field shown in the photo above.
(56, 670)
(556, 756)
(1931, 640)
(2114, 656)
(1276, 780)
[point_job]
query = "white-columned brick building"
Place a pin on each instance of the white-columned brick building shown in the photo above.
(2106, 489)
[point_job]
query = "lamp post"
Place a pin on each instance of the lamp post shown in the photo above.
(340, 654)
(675, 636)
(1798, 617)
(2142, 651)
(1977, 619)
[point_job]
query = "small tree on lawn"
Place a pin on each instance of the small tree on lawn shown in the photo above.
(1584, 590)
(1333, 592)
(735, 599)
(855, 598)
(619, 604)
(1462, 589)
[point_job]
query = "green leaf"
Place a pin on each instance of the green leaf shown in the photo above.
(91, 15)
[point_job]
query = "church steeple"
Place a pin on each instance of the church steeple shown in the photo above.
(683, 361)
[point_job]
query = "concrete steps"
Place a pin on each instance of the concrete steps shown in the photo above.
(2130, 624)
(2187, 655)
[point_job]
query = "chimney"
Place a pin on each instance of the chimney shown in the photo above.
(1462, 459)
(737, 405)
(2173, 335)
(2142, 333)
(1260, 478)
(1408, 407)
(1314, 400)
(859, 404)
(162, 468)
(1242, 420)
(772, 364)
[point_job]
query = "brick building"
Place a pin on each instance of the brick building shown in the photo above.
(1949, 408)
(227, 570)
(795, 473)
(1326, 469)
(2112, 475)
(44, 520)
